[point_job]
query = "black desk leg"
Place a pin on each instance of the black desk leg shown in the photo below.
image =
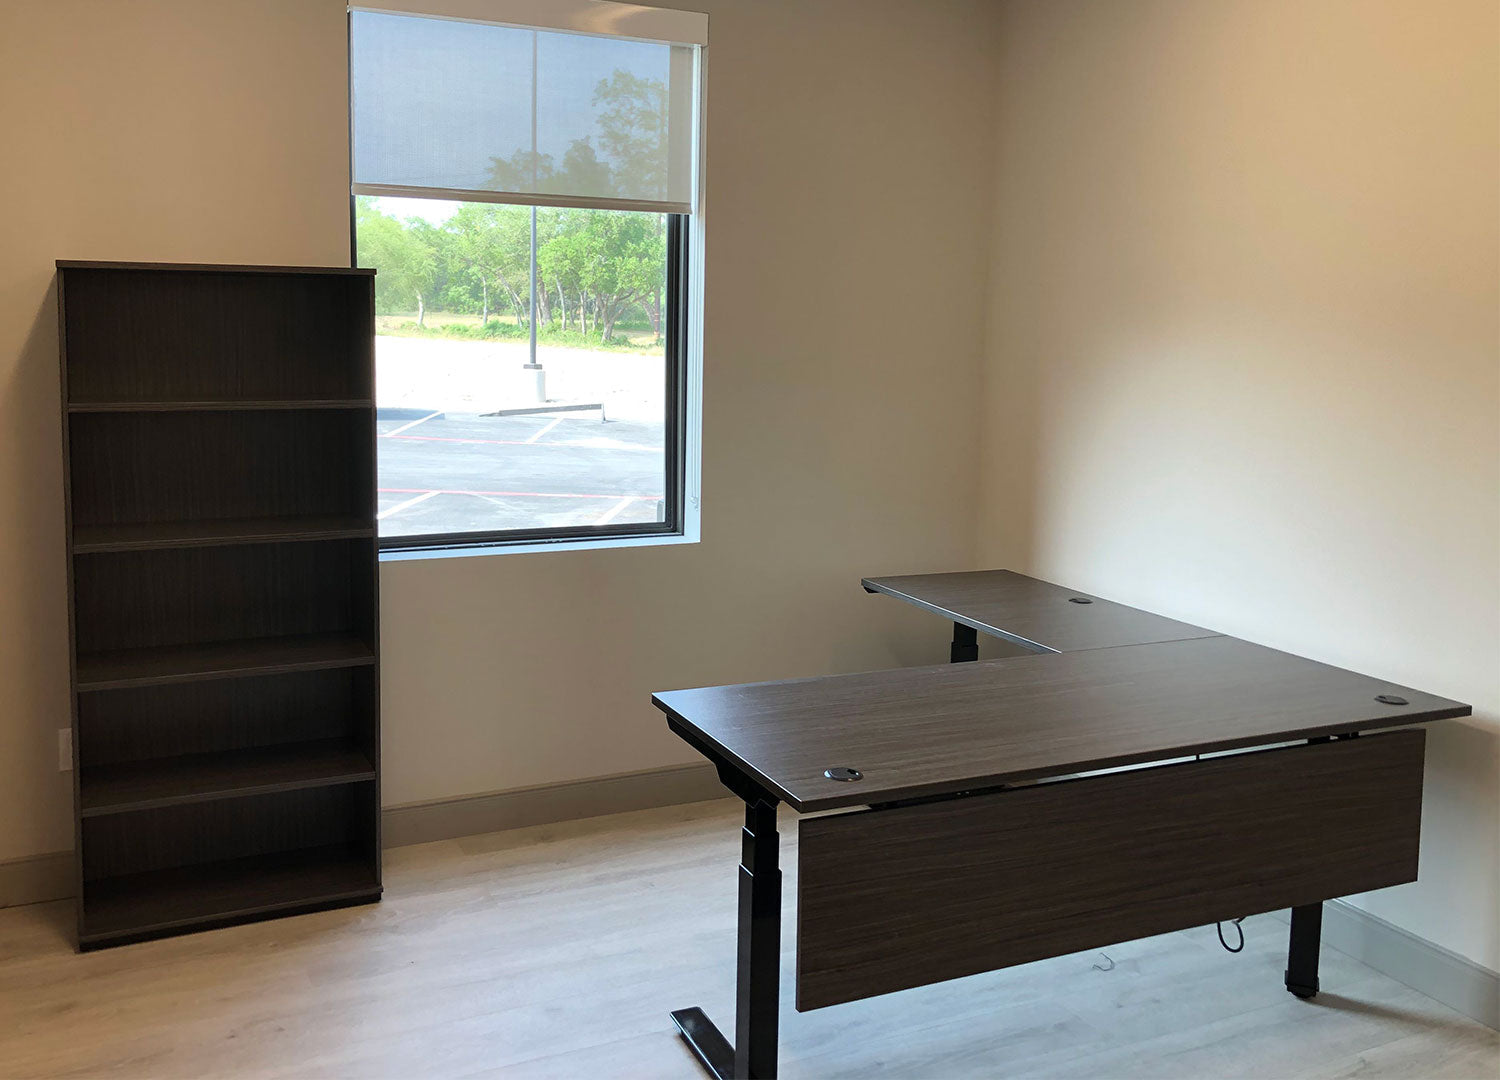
(757, 992)
(1302, 953)
(965, 644)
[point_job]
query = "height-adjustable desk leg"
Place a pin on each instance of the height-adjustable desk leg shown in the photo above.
(757, 991)
(1302, 952)
(965, 644)
(1305, 939)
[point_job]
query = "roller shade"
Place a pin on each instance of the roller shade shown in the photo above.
(457, 108)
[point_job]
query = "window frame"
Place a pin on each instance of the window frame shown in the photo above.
(682, 339)
(676, 326)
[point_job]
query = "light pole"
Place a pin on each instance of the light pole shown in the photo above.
(535, 366)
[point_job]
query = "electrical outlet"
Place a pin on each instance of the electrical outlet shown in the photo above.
(64, 749)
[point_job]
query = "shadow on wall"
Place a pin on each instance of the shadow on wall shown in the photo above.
(34, 794)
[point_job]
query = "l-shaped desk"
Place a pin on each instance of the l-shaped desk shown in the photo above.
(978, 829)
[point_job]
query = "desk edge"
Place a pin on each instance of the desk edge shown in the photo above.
(878, 585)
(718, 754)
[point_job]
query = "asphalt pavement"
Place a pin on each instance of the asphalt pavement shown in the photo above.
(446, 472)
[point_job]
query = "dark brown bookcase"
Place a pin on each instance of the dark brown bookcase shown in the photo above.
(219, 465)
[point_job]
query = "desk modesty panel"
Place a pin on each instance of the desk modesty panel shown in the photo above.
(914, 732)
(1055, 868)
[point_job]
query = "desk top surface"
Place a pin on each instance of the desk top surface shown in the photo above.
(954, 727)
(1036, 615)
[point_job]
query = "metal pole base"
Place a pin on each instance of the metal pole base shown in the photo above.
(539, 386)
(706, 1042)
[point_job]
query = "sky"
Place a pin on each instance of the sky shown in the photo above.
(435, 211)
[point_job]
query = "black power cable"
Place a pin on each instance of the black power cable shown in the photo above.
(1241, 930)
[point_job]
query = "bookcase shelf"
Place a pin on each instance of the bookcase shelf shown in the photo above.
(219, 660)
(202, 895)
(186, 778)
(218, 437)
(217, 406)
(89, 539)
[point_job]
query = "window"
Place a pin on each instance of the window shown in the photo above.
(528, 198)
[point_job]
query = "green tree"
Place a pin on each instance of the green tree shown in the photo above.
(608, 260)
(493, 243)
(554, 277)
(559, 263)
(404, 254)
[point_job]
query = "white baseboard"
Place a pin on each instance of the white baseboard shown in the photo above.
(419, 823)
(36, 879)
(1456, 981)
(40, 878)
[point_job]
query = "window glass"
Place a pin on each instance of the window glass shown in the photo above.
(497, 415)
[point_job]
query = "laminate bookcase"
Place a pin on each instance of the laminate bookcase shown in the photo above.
(218, 436)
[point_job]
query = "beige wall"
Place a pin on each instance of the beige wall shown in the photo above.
(140, 130)
(1242, 362)
(1243, 365)
(838, 439)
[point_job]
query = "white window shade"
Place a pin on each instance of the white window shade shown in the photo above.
(474, 110)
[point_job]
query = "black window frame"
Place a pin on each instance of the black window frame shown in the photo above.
(674, 522)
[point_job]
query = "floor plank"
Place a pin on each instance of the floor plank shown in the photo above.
(558, 951)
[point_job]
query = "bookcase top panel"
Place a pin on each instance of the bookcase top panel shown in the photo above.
(213, 268)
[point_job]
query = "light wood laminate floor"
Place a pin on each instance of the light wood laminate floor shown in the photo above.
(558, 951)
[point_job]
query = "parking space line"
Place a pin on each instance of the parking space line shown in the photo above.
(614, 511)
(412, 424)
(522, 442)
(403, 505)
(543, 430)
(425, 493)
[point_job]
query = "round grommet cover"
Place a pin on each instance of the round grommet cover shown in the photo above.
(1391, 699)
(1079, 600)
(839, 772)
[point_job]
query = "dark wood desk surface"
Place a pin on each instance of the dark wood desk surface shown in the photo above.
(1034, 614)
(956, 727)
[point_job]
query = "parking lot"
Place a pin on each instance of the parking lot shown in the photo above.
(447, 467)
(457, 472)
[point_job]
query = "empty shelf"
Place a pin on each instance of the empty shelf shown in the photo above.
(220, 405)
(160, 901)
(220, 659)
(176, 534)
(140, 785)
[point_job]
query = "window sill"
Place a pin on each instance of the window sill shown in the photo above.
(530, 547)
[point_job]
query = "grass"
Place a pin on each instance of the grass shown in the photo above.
(458, 327)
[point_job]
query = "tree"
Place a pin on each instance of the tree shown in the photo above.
(608, 259)
(583, 171)
(593, 266)
(525, 170)
(405, 256)
(631, 159)
(559, 262)
(633, 132)
(494, 244)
